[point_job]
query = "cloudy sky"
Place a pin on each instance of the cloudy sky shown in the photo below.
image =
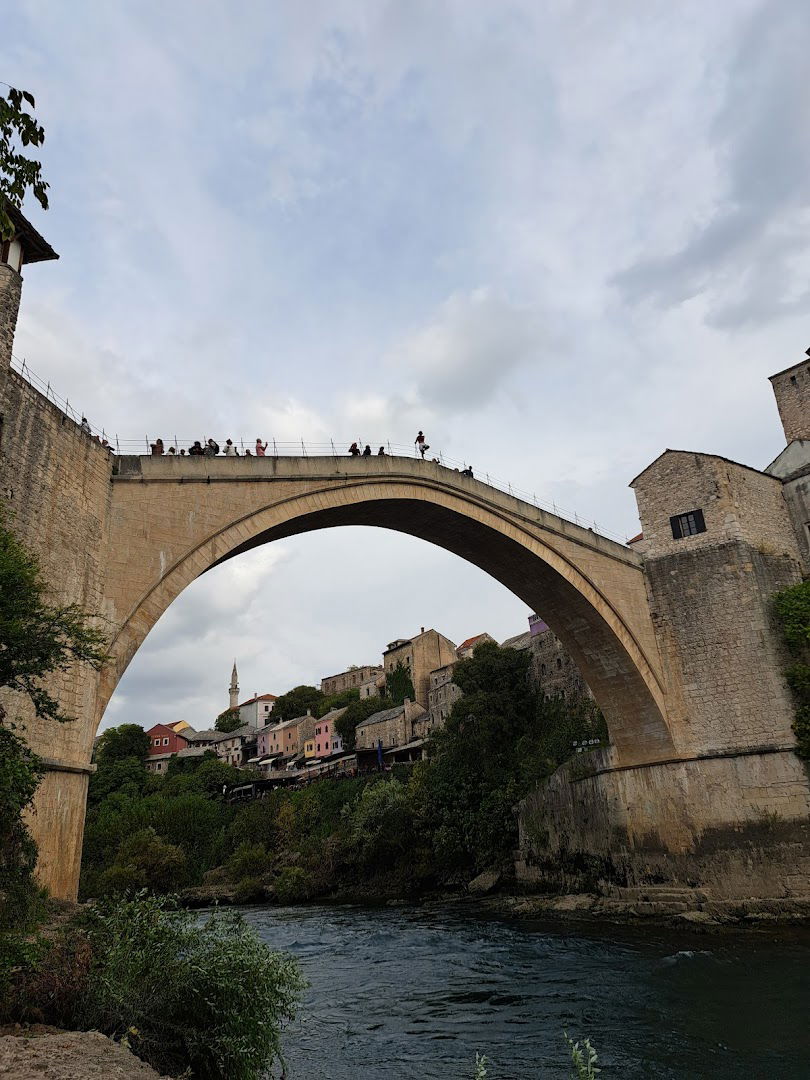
(558, 236)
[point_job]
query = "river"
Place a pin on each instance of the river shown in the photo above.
(413, 992)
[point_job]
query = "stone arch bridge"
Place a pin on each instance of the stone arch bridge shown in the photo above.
(693, 752)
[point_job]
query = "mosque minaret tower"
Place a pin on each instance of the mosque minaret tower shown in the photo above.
(234, 688)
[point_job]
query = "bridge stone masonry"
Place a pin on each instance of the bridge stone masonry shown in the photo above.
(675, 640)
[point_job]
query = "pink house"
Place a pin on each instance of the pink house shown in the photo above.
(327, 740)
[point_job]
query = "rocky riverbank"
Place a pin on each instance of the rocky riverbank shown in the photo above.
(37, 1052)
(654, 904)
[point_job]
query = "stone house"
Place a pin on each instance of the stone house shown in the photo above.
(442, 696)
(238, 745)
(468, 647)
(351, 679)
(553, 670)
(159, 763)
(420, 655)
(391, 727)
(207, 740)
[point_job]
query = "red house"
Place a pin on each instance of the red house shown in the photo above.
(165, 741)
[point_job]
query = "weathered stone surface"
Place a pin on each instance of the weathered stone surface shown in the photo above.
(485, 882)
(70, 1055)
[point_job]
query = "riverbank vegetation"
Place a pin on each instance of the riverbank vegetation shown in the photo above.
(430, 827)
(792, 607)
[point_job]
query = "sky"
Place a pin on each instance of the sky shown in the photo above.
(558, 237)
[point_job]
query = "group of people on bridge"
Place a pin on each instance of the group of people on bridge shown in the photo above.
(211, 448)
(208, 448)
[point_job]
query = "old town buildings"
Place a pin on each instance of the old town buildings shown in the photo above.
(397, 733)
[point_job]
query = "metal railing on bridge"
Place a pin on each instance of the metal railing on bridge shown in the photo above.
(305, 448)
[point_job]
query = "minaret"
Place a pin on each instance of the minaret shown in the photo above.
(234, 688)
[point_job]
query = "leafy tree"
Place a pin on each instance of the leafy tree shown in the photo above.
(38, 637)
(499, 739)
(127, 776)
(18, 173)
(120, 743)
(399, 685)
(336, 701)
(144, 860)
(227, 720)
(20, 773)
(358, 710)
(296, 702)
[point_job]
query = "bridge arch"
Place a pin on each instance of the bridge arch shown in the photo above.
(173, 520)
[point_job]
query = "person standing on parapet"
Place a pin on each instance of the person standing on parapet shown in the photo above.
(211, 448)
(260, 449)
(420, 443)
(230, 449)
(367, 451)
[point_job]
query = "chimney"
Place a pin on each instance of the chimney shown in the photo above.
(421, 630)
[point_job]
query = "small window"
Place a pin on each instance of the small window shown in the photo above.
(793, 379)
(689, 524)
(165, 742)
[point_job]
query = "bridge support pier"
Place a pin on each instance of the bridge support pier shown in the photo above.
(736, 825)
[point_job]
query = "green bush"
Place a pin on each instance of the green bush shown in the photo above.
(248, 861)
(146, 861)
(206, 996)
(250, 890)
(293, 885)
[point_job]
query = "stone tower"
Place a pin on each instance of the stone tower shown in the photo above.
(791, 388)
(234, 689)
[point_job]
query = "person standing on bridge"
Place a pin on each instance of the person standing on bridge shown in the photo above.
(260, 449)
(354, 450)
(420, 443)
(196, 450)
(381, 452)
(367, 451)
(230, 449)
(211, 448)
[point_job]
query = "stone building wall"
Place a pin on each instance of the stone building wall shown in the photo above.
(352, 679)
(442, 696)
(55, 484)
(710, 598)
(792, 390)
(420, 655)
(394, 727)
(738, 503)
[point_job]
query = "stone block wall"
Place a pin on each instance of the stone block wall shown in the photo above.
(55, 485)
(737, 826)
(792, 390)
(738, 503)
(721, 649)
